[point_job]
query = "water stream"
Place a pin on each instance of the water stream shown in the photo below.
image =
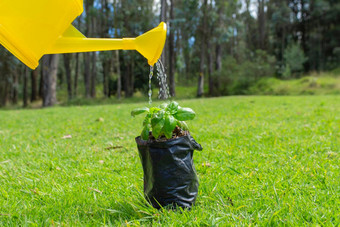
(163, 92)
(163, 81)
(150, 85)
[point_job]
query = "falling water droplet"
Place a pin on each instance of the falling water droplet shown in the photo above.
(150, 84)
(162, 80)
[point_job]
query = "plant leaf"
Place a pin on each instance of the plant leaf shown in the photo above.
(157, 128)
(169, 126)
(173, 107)
(163, 106)
(185, 114)
(145, 132)
(147, 119)
(183, 125)
(157, 123)
(154, 110)
(139, 111)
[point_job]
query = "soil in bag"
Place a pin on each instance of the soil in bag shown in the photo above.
(169, 174)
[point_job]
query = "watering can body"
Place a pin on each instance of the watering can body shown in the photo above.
(31, 29)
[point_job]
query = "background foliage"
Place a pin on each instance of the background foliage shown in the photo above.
(220, 47)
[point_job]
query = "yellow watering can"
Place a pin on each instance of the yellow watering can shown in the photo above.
(30, 29)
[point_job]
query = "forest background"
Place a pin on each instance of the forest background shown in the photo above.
(214, 48)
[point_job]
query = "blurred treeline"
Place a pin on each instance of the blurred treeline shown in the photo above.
(222, 47)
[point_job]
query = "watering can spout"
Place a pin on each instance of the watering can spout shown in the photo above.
(31, 29)
(150, 44)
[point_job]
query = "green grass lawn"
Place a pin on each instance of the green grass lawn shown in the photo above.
(266, 161)
(312, 84)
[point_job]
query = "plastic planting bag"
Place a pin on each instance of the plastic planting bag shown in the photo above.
(169, 174)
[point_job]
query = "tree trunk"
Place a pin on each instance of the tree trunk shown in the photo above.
(218, 57)
(210, 68)
(129, 60)
(106, 58)
(106, 68)
(4, 83)
(220, 25)
(210, 52)
(67, 64)
(25, 89)
(127, 81)
(93, 75)
(34, 85)
(261, 25)
(87, 74)
(93, 63)
(4, 88)
(87, 56)
(186, 53)
(77, 70)
(172, 51)
(49, 72)
(200, 89)
(163, 18)
(304, 15)
(116, 59)
(76, 76)
(119, 77)
(15, 87)
(41, 82)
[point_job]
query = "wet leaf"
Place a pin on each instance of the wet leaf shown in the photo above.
(145, 132)
(173, 107)
(157, 123)
(138, 111)
(154, 110)
(147, 120)
(157, 127)
(183, 125)
(169, 126)
(163, 106)
(185, 114)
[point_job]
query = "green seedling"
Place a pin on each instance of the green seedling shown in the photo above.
(162, 120)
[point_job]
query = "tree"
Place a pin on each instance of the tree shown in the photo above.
(34, 84)
(187, 15)
(68, 71)
(294, 58)
(205, 38)
(164, 18)
(105, 56)
(90, 58)
(49, 73)
(25, 87)
(172, 56)
(203, 34)
(261, 19)
(116, 54)
(8, 70)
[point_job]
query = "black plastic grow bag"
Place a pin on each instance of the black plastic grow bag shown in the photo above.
(169, 174)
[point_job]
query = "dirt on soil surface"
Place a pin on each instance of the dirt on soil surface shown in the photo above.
(178, 132)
